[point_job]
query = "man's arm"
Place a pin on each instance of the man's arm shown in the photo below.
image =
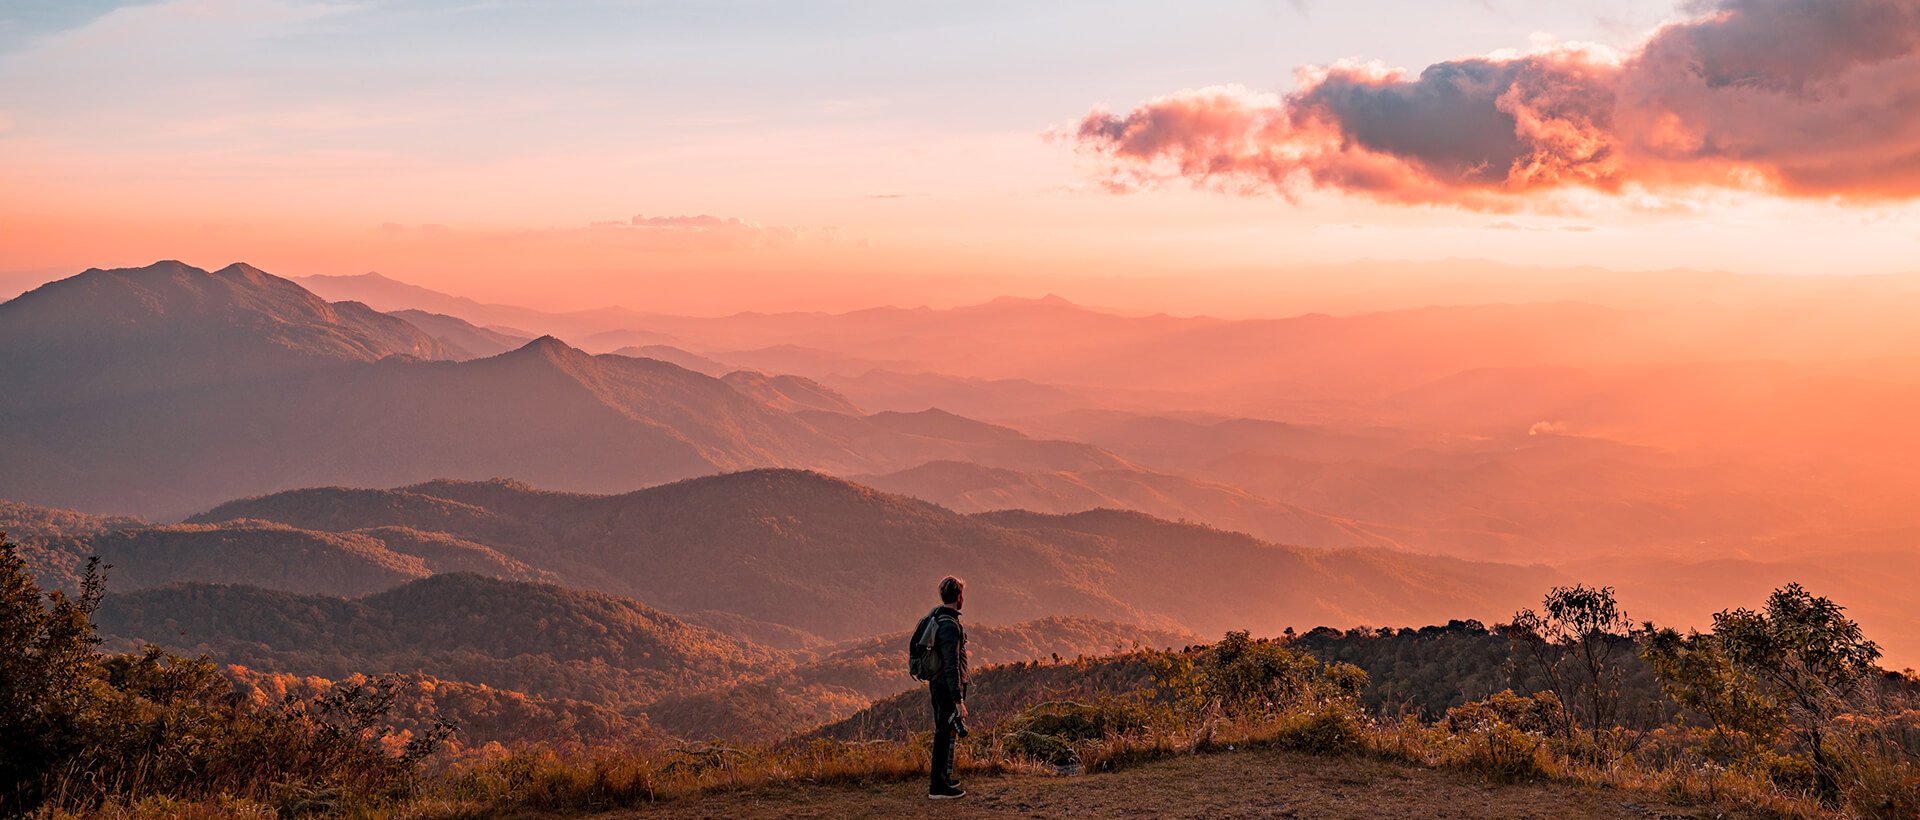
(948, 645)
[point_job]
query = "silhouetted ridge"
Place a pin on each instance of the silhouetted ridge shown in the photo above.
(339, 509)
(464, 339)
(248, 273)
(503, 496)
(774, 486)
(789, 393)
(248, 382)
(936, 422)
(547, 349)
(838, 559)
(1050, 300)
(264, 553)
(111, 334)
(955, 476)
(549, 345)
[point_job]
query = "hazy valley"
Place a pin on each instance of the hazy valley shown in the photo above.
(617, 529)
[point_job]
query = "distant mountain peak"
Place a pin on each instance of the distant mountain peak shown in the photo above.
(171, 325)
(549, 351)
(443, 484)
(386, 293)
(242, 270)
(369, 276)
(789, 393)
(550, 345)
(162, 268)
(769, 481)
(934, 421)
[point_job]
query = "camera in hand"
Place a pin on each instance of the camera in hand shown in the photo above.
(959, 726)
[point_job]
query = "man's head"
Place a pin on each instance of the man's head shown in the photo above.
(952, 591)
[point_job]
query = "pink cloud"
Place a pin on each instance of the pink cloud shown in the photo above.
(1813, 98)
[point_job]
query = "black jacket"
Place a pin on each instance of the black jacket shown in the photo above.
(950, 640)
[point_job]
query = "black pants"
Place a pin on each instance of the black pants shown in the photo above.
(943, 709)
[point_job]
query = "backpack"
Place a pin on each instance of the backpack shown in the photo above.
(924, 663)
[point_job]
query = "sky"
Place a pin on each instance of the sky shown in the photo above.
(703, 155)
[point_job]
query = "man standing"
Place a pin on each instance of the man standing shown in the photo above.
(949, 686)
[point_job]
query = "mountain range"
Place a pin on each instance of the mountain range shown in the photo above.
(1733, 429)
(124, 334)
(161, 390)
(577, 666)
(808, 553)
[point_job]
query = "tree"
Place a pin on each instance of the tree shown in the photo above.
(1256, 677)
(79, 729)
(1807, 656)
(1574, 644)
(1698, 674)
(46, 674)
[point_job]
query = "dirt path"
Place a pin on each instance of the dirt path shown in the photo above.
(1243, 784)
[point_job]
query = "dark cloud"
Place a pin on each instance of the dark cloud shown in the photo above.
(1801, 97)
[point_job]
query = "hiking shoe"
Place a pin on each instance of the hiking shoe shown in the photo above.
(948, 793)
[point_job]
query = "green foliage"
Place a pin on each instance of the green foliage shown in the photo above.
(1505, 736)
(79, 729)
(1538, 714)
(1790, 772)
(1055, 732)
(1330, 727)
(997, 693)
(487, 719)
(1698, 674)
(851, 677)
(1575, 644)
(544, 640)
(1802, 647)
(1799, 664)
(1805, 654)
(155, 734)
(1244, 676)
(47, 688)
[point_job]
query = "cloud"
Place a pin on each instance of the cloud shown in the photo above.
(1809, 98)
(702, 222)
(710, 232)
(640, 233)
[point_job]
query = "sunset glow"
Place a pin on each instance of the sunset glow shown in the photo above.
(918, 155)
(773, 408)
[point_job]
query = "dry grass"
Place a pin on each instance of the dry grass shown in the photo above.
(1503, 749)
(1117, 736)
(865, 777)
(1243, 783)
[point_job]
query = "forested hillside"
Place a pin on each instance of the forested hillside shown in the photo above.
(776, 546)
(534, 638)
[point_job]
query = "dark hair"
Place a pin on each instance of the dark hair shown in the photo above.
(950, 589)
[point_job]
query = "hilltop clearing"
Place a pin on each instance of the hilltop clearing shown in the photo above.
(1249, 783)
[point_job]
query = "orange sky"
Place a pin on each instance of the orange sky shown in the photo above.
(561, 155)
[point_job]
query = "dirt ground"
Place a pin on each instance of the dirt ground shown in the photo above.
(1232, 785)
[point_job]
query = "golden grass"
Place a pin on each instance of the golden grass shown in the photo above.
(1673, 765)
